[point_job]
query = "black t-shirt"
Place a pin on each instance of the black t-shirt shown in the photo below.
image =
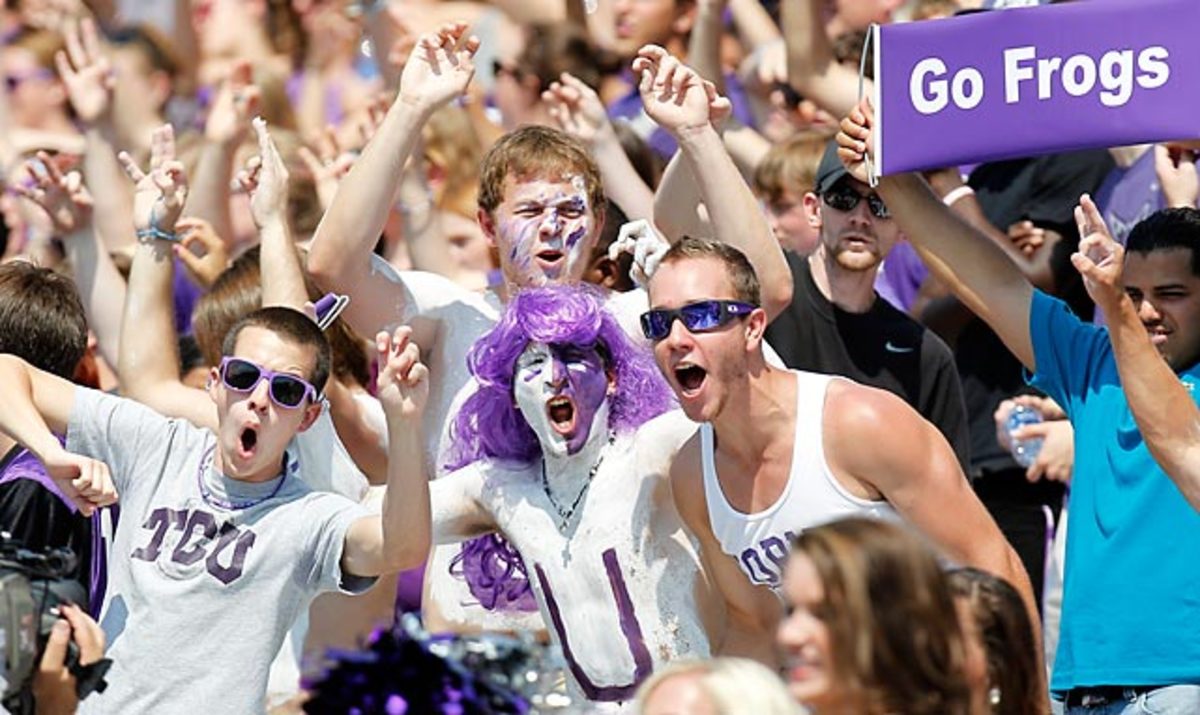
(39, 519)
(882, 347)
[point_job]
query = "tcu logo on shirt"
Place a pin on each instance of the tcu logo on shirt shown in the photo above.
(197, 538)
(763, 563)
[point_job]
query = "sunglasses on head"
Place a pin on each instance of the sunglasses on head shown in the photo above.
(287, 391)
(843, 197)
(699, 317)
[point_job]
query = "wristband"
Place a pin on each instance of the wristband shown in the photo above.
(956, 194)
(154, 232)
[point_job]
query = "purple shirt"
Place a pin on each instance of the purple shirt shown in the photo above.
(901, 276)
(1127, 196)
(185, 295)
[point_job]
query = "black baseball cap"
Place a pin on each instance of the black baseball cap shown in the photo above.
(831, 169)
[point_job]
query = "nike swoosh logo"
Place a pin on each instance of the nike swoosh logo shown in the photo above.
(895, 348)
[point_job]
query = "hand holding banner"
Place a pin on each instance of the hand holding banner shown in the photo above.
(1035, 80)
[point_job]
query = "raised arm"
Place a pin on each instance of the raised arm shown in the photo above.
(578, 111)
(980, 273)
(149, 362)
(69, 205)
(752, 612)
(438, 70)
(267, 181)
(399, 538)
(813, 70)
(1165, 412)
(34, 406)
(687, 106)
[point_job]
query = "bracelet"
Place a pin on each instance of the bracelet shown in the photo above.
(154, 232)
(956, 194)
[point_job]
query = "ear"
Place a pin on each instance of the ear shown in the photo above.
(311, 413)
(611, 374)
(812, 209)
(488, 223)
(214, 384)
(756, 326)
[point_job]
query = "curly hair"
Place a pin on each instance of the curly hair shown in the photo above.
(490, 425)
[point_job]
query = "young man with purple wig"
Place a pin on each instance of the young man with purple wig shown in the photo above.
(563, 449)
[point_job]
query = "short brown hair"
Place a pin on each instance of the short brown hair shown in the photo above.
(737, 267)
(533, 152)
(895, 639)
(238, 292)
(790, 165)
(292, 325)
(41, 318)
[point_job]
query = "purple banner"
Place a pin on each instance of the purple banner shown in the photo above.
(1036, 80)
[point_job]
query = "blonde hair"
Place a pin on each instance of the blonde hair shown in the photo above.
(732, 685)
(791, 165)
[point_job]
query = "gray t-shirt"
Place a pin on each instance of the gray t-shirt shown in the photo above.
(205, 574)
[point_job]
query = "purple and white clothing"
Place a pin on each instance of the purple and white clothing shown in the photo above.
(206, 573)
(760, 542)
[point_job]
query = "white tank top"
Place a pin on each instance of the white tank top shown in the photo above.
(812, 496)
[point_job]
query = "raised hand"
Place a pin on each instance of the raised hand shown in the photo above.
(63, 197)
(269, 196)
(86, 72)
(647, 246)
(198, 234)
(439, 68)
(1100, 259)
(85, 481)
(674, 95)
(403, 383)
(854, 139)
(578, 110)
(1176, 169)
(159, 195)
(237, 100)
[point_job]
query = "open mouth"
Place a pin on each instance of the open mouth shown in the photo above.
(247, 441)
(550, 256)
(561, 411)
(690, 378)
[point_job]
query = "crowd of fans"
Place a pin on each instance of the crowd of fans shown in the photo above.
(581, 320)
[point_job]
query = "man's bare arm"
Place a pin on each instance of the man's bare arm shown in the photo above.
(1164, 410)
(339, 258)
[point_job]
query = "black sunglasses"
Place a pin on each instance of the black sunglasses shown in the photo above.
(699, 317)
(844, 198)
(287, 391)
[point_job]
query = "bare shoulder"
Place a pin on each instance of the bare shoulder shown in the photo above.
(878, 436)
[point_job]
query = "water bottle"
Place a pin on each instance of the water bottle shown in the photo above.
(1025, 451)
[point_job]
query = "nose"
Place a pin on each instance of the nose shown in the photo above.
(558, 375)
(550, 223)
(260, 396)
(1147, 312)
(679, 337)
(793, 631)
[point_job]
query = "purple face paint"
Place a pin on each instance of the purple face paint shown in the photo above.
(541, 232)
(560, 390)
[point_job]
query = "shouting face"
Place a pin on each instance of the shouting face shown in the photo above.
(544, 231)
(562, 392)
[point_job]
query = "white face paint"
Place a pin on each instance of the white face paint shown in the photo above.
(562, 392)
(546, 231)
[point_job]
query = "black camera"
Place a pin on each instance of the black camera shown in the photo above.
(33, 584)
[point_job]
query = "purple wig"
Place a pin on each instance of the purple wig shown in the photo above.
(489, 425)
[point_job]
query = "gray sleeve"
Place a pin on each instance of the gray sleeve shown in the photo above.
(334, 514)
(120, 432)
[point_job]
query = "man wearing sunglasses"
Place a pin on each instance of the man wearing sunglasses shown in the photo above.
(782, 450)
(837, 324)
(221, 543)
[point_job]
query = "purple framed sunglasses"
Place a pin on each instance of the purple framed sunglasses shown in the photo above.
(287, 391)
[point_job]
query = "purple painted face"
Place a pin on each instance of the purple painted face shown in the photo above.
(544, 229)
(562, 391)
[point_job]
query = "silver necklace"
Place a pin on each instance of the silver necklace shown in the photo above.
(566, 514)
